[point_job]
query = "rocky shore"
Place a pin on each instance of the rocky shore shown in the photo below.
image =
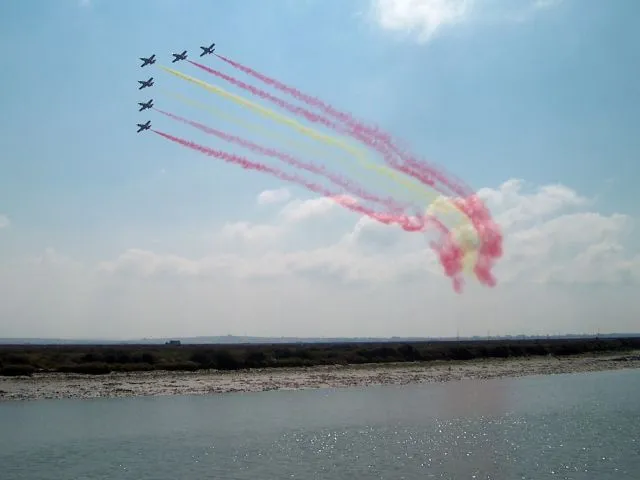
(61, 385)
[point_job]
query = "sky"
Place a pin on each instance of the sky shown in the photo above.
(107, 233)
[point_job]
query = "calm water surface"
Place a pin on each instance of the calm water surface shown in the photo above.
(584, 426)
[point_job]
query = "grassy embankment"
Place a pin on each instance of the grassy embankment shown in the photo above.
(102, 359)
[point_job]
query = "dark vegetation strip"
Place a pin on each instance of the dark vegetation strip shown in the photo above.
(102, 359)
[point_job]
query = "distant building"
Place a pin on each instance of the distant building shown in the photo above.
(172, 342)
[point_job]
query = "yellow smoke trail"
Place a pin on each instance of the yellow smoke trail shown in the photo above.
(254, 127)
(467, 239)
(358, 153)
(463, 231)
(437, 201)
(445, 205)
(316, 150)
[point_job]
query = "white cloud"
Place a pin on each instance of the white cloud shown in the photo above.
(566, 267)
(279, 195)
(424, 19)
(543, 231)
(297, 210)
(52, 258)
(4, 221)
(246, 232)
(517, 208)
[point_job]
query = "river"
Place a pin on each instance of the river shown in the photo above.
(573, 426)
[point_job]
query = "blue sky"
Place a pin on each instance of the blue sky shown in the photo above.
(544, 92)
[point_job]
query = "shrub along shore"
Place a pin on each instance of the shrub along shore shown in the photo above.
(16, 360)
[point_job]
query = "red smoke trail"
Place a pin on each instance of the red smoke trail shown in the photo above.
(312, 117)
(404, 221)
(489, 235)
(424, 168)
(488, 231)
(353, 188)
(303, 97)
(424, 176)
(449, 253)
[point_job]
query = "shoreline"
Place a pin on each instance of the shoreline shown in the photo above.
(42, 386)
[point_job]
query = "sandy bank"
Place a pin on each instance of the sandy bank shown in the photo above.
(59, 385)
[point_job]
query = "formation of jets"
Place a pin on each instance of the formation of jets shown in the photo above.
(148, 104)
(148, 83)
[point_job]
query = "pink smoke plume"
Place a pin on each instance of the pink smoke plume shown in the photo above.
(346, 184)
(424, 175)
(451, 254)
(423, 168)
(410, 224)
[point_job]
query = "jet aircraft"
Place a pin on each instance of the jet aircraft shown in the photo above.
(144, 126)
(148, 61)
(207, 50)
(145, 84)
(144, 106)
(179, 56)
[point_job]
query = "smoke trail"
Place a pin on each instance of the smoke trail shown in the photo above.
(415, 224)
(254, 127)
(489, 233)
(359, 154)
(464, 235)
(351, 187)
(290, 122)
(312, 117)
(266, 132)
(425, 170)
(308, 99)
(425, 178)
(448, 252)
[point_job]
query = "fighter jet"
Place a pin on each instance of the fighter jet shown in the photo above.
(144, 126)
(148, 61)
(144, 106)
(145, 84)
(207, 50)
(179, 56)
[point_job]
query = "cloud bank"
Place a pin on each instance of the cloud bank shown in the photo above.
(566, 268)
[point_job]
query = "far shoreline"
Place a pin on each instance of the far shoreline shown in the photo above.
(56, 385)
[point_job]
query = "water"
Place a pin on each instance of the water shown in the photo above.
(584, 426)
